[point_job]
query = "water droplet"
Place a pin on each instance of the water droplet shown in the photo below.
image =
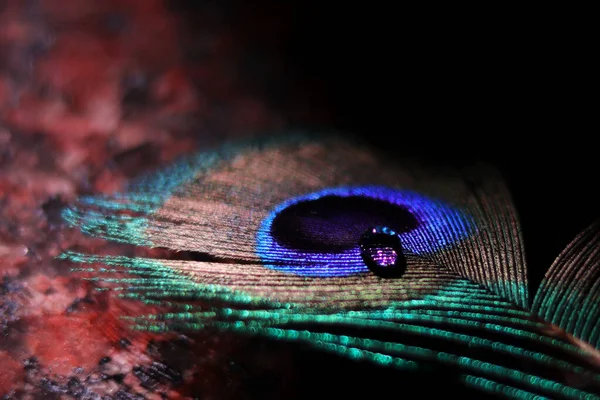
(381, 250)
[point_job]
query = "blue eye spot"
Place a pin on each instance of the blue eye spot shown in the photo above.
(318, 234)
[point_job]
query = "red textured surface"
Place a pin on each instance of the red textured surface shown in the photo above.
(92, 94)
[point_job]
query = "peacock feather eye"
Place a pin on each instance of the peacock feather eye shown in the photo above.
(321, 241)
(319, 234)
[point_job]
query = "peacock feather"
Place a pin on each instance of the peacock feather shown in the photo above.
(323, 241)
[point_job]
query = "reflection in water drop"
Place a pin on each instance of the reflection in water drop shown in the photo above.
(381, 250)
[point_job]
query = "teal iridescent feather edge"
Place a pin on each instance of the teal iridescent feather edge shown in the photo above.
(279, 220)
(569, 295)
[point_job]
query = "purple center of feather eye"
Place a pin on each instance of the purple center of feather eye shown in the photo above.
(335, 224)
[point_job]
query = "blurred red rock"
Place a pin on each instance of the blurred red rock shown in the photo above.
(93, 93)
(11, 372)
(5, 91)
(63, 343)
